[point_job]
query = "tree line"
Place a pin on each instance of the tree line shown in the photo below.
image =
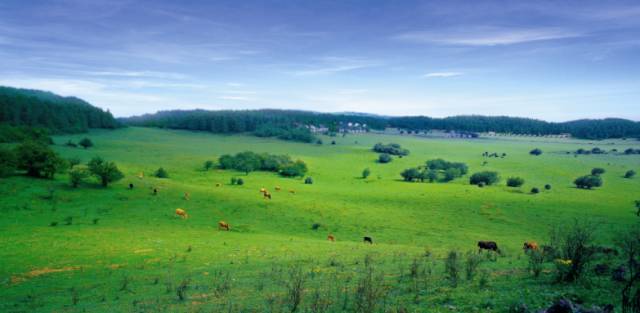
(45, 110)
(229, 121)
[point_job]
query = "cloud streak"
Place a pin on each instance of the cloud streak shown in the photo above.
(487, 36)
(442, 74)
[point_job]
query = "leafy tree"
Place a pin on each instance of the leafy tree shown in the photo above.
(515, 182)
(588, 181)
(73, 161)
(77, 174)
(226, 162)
(535, 151)
(411, 174)
(384, 158)
(106, 172)
(8, 162)
(86, 143)
(297, 168)
(308, 181)
(451, 174)
(161, 173)
(535, 190)
(431, 176)
(240, 181)
(248, 162)
(597, 171)
(392, 148)
(38, 160)
(365, 173)
(630, 174)
(547, 187)
(208, 164)
(485, 177)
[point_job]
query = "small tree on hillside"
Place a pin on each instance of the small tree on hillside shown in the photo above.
(365, 173)
(588, 181)
(630, 174)
(161, 173)
(208, 165)
(77, 174)
(106, 172)
(86, 143)
(597, 171)
(535, 151)
(485, 177)
(38, 160)
(515, 182)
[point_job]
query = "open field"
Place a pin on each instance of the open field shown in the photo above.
(125, 250)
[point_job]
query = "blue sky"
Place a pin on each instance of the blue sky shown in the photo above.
(554, 60)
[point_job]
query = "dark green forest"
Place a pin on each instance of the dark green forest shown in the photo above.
(255, 121)
(46, 110)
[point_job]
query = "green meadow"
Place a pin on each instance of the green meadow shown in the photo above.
(120, 250)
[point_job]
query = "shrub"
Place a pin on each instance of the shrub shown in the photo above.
(411, 174)
(452, 267)
(571, 243)
(365, 173)
(597, 171)
(588, 181)
(161, 173)
(392, 148)
(208, 165)
(308, 181)
(234, 180)
(536, 260)
(240, 182)
(535, 190)
(86, 143)
(298, 168)
(38, 160)
(485, 177)
(77, 174)
(471, 263)
(8, 162)
(547, 187)
(630, 174)
(107, 172)
(515, 182)
(384, 158)
(535, 151)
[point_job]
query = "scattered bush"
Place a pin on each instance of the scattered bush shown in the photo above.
(161, 173)
(250, 161)
(588, 181)
(107, 172)
(449, 170)
(471, 263)
(86, 143)
(38, 160)
(632, 151)
(597, 171)
(384, 158)
(547, 187)
(365, 173)
(630, 174)
(452, 267)
(308, 181)
(240, 182)
(392, 148)
(571, 243)
(208, 164)
(535, 190)
(77, 174)
(411, 174)
(515, 182)
(535, 151)
(485, 177)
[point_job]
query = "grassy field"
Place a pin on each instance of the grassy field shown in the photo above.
(125, 250)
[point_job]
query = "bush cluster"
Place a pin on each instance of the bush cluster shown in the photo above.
(250, 161)
(484, 178)
(392, 148)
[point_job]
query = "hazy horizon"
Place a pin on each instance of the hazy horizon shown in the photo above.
(543, 60)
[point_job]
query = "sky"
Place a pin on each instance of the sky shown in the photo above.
(551, 60)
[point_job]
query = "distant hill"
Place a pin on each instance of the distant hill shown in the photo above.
(250, 120)
(43, 109)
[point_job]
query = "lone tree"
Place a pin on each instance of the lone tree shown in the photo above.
(208, 165)
(515, 182)
(161, 173)
(384, 158)
(38, 160)
(535, 151)
(630, 174)
(107, 172)
(365, 173)
(86, 143)
(597, 171)
(485, 178)
(588, 181)
(77, 174)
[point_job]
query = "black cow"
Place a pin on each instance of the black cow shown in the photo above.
(488, 245)
(130, 186)
(155, 191)
(368, 240)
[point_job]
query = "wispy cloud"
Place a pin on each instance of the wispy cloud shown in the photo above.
(487, 36)
(137, 74)
(442, 74)
(237, 98)
(332, 65)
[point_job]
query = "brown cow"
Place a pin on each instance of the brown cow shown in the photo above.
(267, 195)
(331, 238)
(488, 245)
(182, 213)
(530, 245)
(262, 190)
(292, 191)
(222, 225)
(278, 188)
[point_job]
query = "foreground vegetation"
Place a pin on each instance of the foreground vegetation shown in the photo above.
(122, 247)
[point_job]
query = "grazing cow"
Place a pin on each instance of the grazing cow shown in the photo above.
(222, 225)
(331, 238)
(278, 188)
(155, 191)
(292, 191)
(368, 240)
(267, 195)
(530, 245)
(182, 213)
(187, 196)
(488, 245)
(262, 190)
(130, 186)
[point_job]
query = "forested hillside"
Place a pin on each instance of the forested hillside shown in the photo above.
(42, 109)
(254, 120)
